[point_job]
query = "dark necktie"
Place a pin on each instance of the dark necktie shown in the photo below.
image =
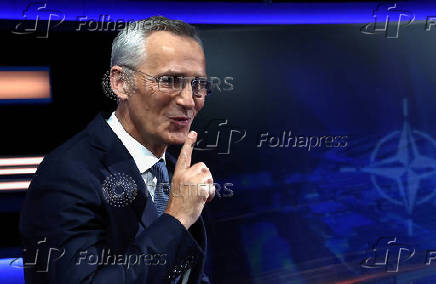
(161, 192)
(159, 170)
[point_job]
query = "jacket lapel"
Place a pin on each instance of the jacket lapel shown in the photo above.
(118, 161)
(142, 205)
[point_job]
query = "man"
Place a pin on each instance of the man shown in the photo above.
(96, 210)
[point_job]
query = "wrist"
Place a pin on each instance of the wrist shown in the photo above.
(179, 218)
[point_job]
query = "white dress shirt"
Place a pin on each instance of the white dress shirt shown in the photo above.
(144, 158)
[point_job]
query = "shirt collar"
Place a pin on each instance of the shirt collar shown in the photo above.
(144, 158)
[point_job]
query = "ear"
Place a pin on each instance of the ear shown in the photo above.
(119, 83)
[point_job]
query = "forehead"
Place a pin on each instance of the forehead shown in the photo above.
(168, 52)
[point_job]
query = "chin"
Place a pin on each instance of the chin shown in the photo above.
(177, 138)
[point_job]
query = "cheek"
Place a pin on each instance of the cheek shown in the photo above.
(159, 112)
(156, 104)
(199, 105)
(141, 100)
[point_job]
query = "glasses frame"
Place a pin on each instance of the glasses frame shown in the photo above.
(184, 79)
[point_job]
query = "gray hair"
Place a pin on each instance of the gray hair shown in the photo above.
(128, 47)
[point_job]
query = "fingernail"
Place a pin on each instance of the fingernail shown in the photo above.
(192, 134)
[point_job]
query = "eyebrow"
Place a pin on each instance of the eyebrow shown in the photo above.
(177, 74)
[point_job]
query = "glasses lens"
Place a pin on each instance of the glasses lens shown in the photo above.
(170, 83)
(200, 86)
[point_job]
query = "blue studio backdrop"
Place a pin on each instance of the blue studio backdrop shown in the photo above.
(328, 139)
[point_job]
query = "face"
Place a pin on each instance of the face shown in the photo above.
(163, 117)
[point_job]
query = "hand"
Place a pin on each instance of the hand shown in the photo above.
(191, 186)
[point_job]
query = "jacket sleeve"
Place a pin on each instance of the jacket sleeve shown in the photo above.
(63, 223)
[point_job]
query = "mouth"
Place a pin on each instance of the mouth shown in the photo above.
(180, 121)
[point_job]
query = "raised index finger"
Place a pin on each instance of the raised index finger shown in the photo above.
(184, 160)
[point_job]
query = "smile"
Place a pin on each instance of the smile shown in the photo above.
(181, 121)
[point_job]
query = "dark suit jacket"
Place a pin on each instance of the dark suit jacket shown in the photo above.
(67, 225)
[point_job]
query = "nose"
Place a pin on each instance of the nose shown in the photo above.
(185, 97)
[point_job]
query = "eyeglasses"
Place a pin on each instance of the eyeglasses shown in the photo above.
(171, 84)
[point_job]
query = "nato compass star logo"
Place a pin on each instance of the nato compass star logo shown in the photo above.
(400, 170)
